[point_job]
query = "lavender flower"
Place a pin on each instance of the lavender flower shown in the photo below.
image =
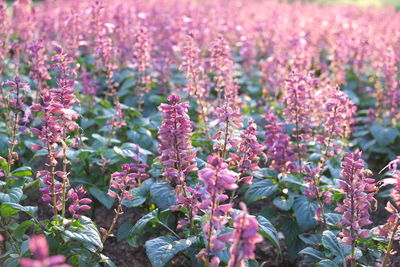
(79, 202)
(244, 237)
(177, 155)
(40, 250)
(247, 156)
(357, 202)
(216, 178)
(280, 152)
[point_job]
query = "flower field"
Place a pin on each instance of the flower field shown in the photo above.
(199, 133)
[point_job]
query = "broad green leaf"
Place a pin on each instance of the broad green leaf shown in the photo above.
(284, 203)
(21, 172)
(327, 263)
(21, 229)
(163, 195)
(330, 242)
(332, 218)
(10, 208)
(384, 136)
(162, 249)
(310, 239)
(87, 233)
(313, 253)
(106, 260)
(102, 196)
(259, 190)
(11, 195)
(268, 231)
(304, 209)
(139, 194)
(124, 230)
(142, 222)
(291, 232)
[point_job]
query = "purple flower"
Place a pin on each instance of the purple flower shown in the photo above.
(131, 176)
(79, 202)
(40, 250)
(216, 178)
(280, 152)
(247, 155)
(244, 237)
(359, 193)
(223, 66)
(176, 151)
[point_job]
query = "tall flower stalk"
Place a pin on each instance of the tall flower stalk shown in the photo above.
(216, 178)
(359, 193)
(390, 229)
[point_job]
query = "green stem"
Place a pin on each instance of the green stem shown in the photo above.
(389, 247)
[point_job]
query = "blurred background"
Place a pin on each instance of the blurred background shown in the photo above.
(363, 3)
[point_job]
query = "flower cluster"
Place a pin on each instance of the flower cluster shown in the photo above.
(280, 152)
(222, 65)
(359, 193)
(298, 109)
(79, 202)
(339, 113)
(247, 156)
(131, 176)
(393, 221)
(244, 238)
(176, 151)
(216, 178)
(142, 57)
(37, 62)
(40, 250)
(194, 73)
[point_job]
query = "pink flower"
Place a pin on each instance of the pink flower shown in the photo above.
(79, 202)
(247, 155)
(176, 152)
(359, 193)
(40, 250)
(280, 152)
(245, 237)
(131, 176)
(216, 178)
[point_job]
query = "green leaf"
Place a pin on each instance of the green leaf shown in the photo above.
(86, 233)
(327, 263)
(310, 239)
(10, 208)
(305, 209)
(313, 253)
(21, 229)
(268, 231)
(140, 225)
(163, 195)
(124, 230)
(291, 232)
(11, 195)
(330, 242)
(259, 190)
(162, 249)
(332, 218)
(3, 164)
(284, 203)
(384, 136)
(21, 172)
(102, 196)
(139, 194)
(106, 260)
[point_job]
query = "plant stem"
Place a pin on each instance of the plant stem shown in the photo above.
(118, 212)
(389, 247)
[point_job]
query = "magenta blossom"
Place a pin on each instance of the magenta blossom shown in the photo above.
(40, 250)
(359, 193)
(244, 238)
(177, 155)
(79, 202)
